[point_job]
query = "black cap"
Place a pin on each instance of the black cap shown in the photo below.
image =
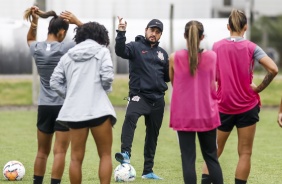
(156, 23)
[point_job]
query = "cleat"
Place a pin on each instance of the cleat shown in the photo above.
(122, 158)
(151, 176)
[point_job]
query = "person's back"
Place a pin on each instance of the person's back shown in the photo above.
(84, 76)
(234, 75)
(238, 96)
(193, 104)
(197, 110)
(47, 56)
(83, 66)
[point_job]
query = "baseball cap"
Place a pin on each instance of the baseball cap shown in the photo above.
(156, 23)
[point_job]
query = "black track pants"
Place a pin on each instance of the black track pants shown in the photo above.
(153, 113)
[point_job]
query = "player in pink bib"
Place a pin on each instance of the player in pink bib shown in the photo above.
(194, 107)
(238, 96)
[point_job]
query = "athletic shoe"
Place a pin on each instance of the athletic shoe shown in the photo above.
(123, 157)
(151, 176)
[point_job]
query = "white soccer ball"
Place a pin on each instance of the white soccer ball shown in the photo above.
(124, 172)
(14, 171)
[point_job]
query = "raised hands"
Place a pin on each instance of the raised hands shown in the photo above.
(71, 18)
(122, 24)
(34, 9)
(31, 14)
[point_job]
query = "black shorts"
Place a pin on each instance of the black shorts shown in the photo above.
(46, 119)
(228, 121)
(89, 123)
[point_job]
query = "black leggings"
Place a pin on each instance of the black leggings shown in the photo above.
(209, 151)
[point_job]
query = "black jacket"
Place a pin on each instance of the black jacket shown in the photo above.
(148, 66)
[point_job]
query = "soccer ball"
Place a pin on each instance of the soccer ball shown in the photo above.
(14, 170)
(124, 172)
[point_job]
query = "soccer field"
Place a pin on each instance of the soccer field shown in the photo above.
(18, 142)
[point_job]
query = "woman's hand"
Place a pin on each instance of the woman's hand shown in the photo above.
(71, 18)
(254, 87)
(34, 9)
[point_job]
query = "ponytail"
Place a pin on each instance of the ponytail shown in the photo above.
(28, 14)
(237, 20)
(193, 32)
(56, 23)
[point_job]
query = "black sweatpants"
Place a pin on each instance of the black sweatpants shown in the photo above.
(209, 151)
(153, 113)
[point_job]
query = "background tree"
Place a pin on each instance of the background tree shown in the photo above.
(267, 32)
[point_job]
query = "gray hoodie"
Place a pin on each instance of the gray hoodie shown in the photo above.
(83, 77)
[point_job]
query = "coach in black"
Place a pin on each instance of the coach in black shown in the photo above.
(148, 74)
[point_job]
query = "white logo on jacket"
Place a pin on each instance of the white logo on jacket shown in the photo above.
(160, 55)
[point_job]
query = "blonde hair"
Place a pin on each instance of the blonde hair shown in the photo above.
(28, 14)
(193, 32)
(237, 20)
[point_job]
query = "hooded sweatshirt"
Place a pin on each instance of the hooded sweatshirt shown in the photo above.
(83, 77)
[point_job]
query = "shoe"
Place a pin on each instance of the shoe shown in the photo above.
(151, 176)
(123, 158)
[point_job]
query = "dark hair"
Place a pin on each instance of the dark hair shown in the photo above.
(55, 24)
(237, 20)
(93, 31)
(193, 32)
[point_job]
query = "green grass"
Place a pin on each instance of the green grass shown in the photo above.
(15, 92)
(19, 91)
(120, 91)
(18, 142)
(271, 96)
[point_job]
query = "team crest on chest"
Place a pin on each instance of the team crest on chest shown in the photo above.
(160, 55)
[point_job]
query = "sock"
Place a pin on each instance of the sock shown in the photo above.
(237, 181)
(55, 181)
(206, 179)
(37, 179)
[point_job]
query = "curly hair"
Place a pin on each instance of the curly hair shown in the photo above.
(55, 24)
(93, 31)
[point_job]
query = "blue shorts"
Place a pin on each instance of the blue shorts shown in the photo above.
(228, 121)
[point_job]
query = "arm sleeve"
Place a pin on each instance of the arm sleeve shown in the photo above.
(123, 50)
(32, 48)
(58, 80)
(107, 72)
(259, 53)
